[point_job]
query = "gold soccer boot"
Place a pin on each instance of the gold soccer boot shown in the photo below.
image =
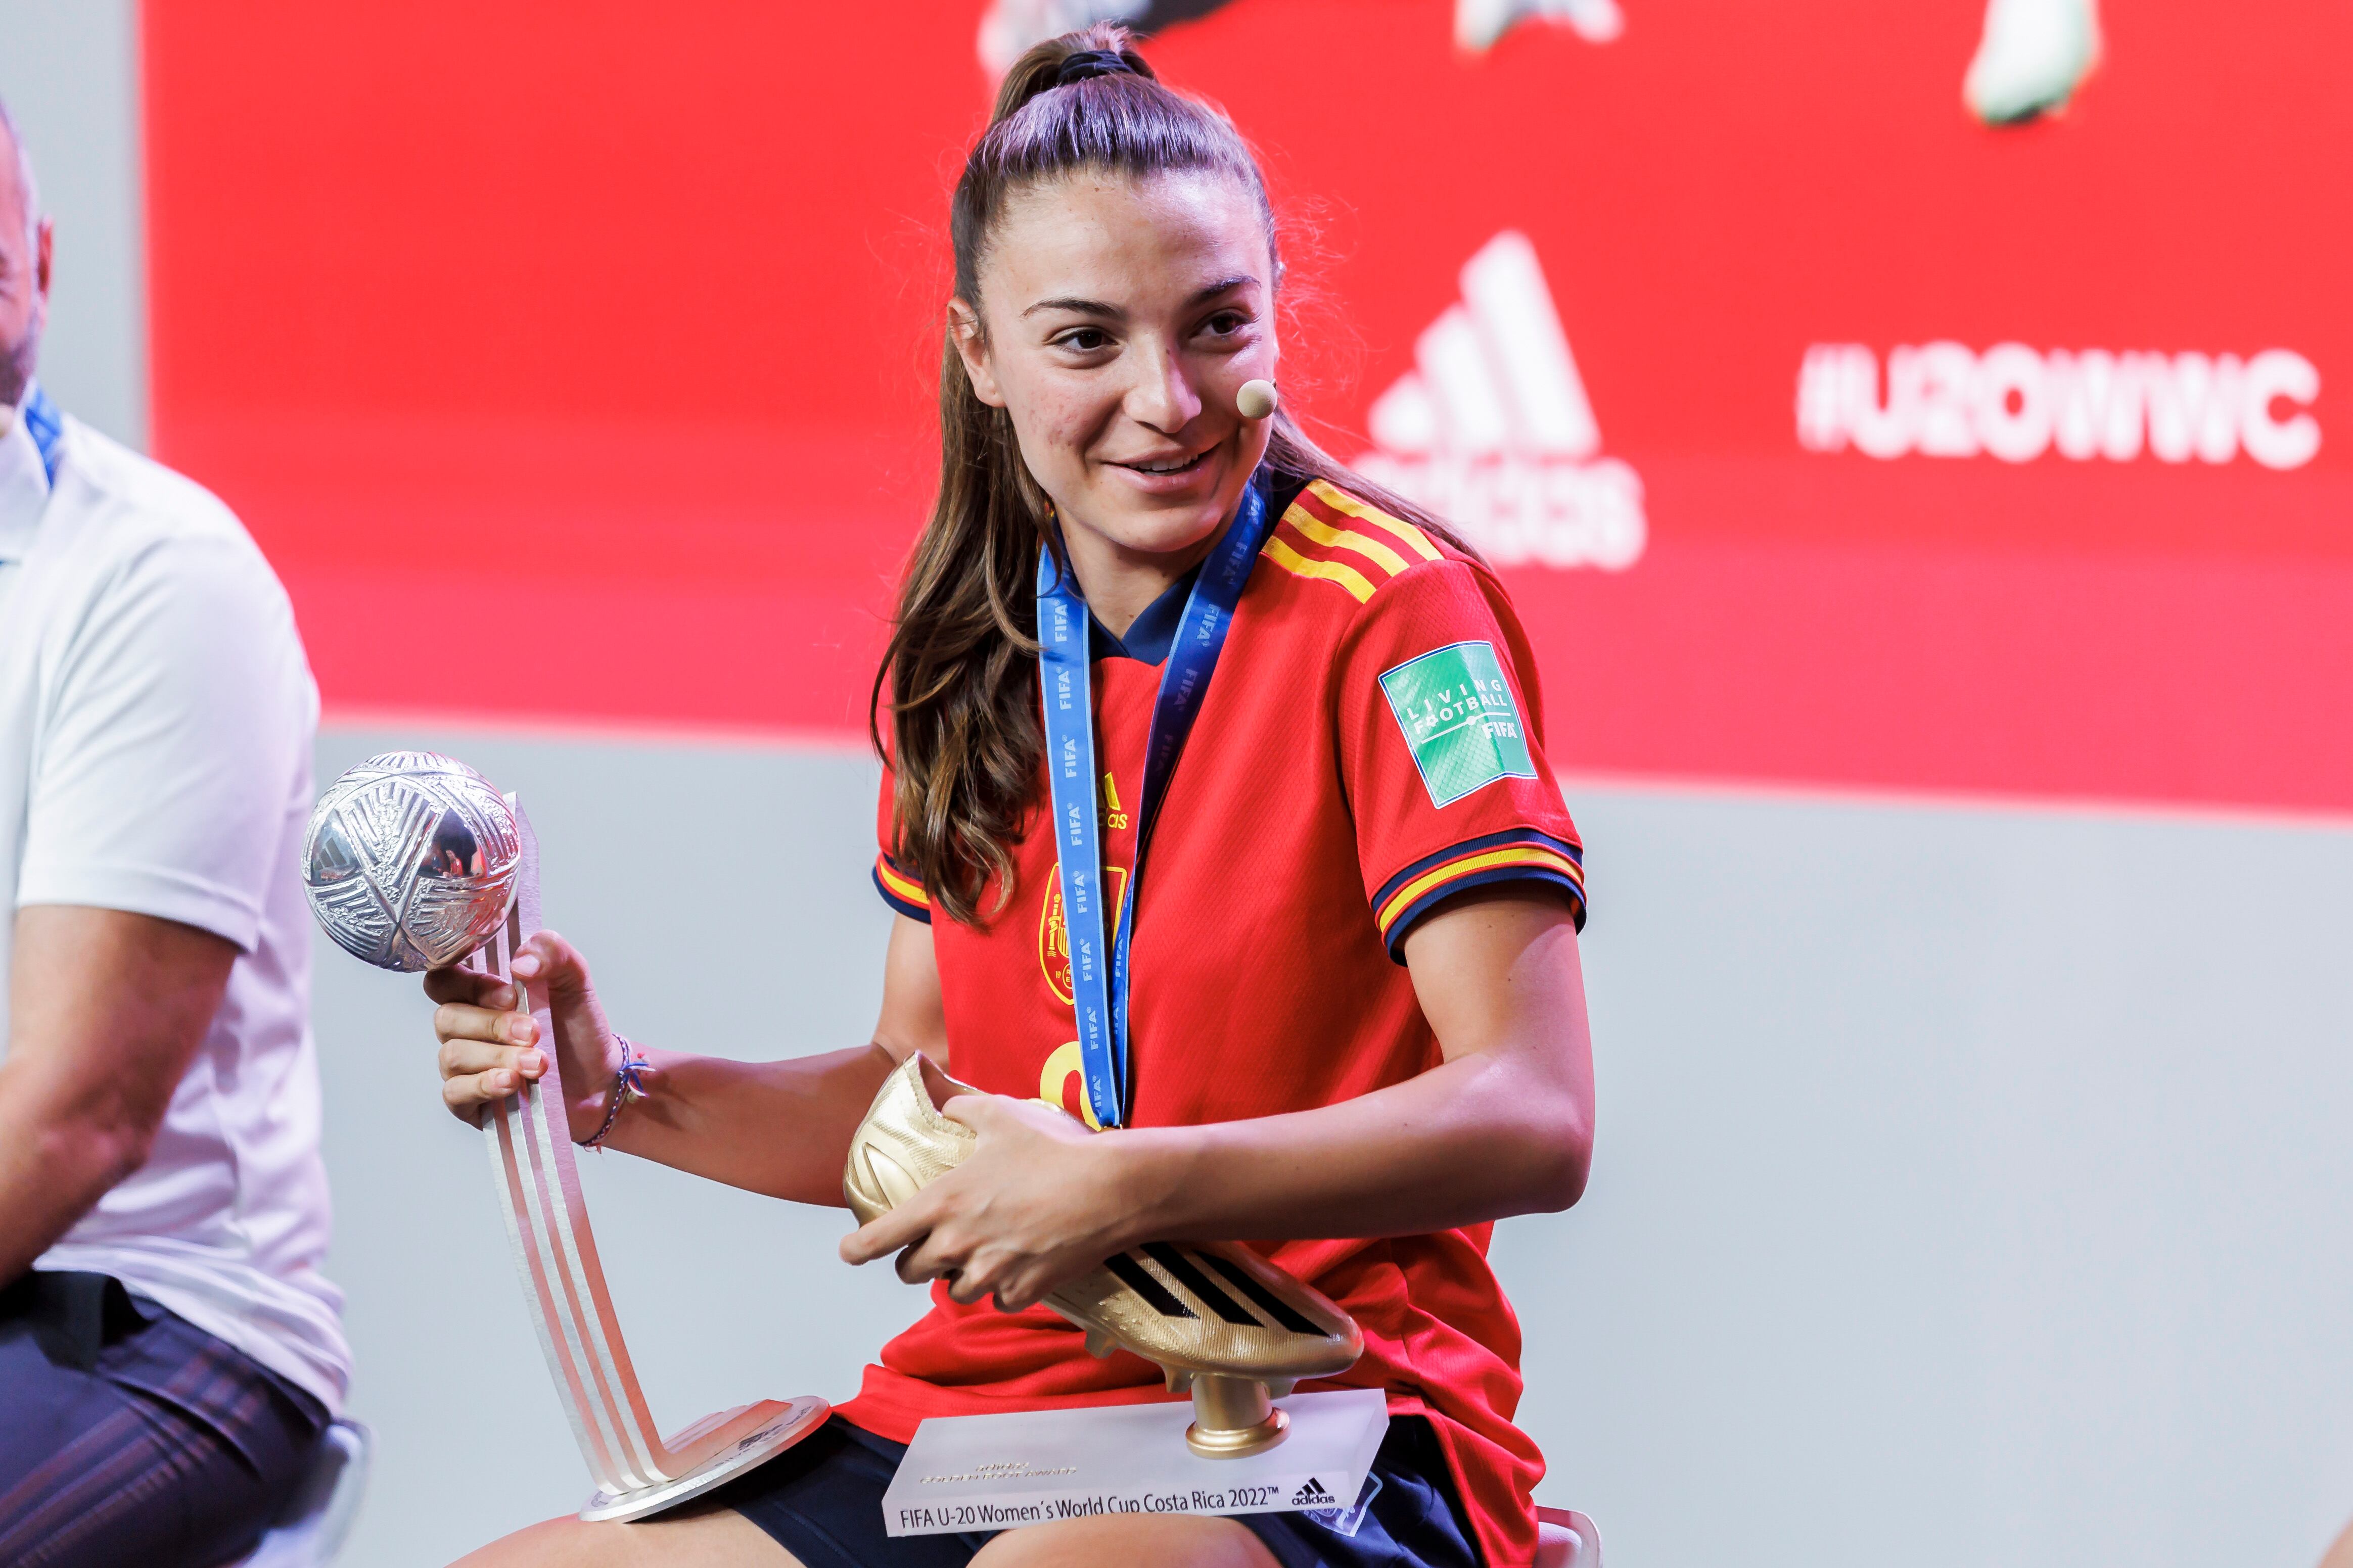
(1218, 1319)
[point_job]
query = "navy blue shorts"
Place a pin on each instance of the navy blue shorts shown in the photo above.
(822, 1501)
(130, 1435)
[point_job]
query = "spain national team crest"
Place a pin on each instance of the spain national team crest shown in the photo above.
(1054, 935)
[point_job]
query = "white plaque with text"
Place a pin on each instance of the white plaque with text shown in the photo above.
(995, 1472)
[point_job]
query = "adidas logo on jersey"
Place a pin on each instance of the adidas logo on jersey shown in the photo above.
(2014, 403)
(1493, 431)
(1313, 1495)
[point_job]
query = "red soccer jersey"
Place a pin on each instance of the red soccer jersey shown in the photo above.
(1368, 745)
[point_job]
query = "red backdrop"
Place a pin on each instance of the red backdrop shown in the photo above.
(574, 367)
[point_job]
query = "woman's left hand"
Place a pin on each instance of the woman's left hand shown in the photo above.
(1038, 1203)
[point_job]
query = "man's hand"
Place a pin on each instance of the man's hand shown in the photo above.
(105, 1011)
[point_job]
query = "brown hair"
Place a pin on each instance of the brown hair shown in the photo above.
(962, 664)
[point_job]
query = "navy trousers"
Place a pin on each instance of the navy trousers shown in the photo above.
(130, 1436)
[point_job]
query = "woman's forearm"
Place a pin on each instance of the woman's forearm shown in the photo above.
(1504, 1126)
(1475, 1138)
(781, 1128)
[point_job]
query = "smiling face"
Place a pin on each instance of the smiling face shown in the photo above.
(1117, 319)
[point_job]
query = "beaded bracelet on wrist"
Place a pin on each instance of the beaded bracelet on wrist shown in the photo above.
(629, 1084)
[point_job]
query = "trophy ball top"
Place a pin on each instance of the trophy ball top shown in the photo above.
(410, 860)
(1256, 400)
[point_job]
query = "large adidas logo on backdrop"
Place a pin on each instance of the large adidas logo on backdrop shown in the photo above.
(1493, 431)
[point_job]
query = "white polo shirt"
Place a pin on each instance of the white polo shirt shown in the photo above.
(156, 717)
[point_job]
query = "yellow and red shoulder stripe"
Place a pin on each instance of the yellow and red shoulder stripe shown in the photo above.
(1516, 855)
(1330, 536)
(900, 891)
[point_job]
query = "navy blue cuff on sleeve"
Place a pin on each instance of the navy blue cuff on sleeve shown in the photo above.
(900, 891)
(1516, 855)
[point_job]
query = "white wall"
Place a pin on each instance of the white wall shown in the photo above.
(69, 69)
(1967, 1188)
(1968, 1191)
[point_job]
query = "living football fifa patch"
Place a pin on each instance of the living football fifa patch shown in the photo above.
(1460, 719)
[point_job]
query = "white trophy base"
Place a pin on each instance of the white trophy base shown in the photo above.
(775, 1426)
(995, 1472)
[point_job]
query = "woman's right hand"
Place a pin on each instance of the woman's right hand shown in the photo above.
(489, 1050)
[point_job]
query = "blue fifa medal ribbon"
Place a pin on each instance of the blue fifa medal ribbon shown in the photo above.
(1099, 980)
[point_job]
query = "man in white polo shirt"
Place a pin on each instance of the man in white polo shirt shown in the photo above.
(169, 1351)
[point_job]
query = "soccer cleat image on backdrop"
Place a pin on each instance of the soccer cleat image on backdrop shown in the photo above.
(1219, 1320)
(1008, 28)
(2033, 57)
(1011, 29)
(1478, 25)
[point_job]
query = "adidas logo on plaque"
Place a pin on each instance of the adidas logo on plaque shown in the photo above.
(1493, 431)
(1313, 1495)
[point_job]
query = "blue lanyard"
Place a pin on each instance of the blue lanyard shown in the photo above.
(1099, 982)
(47, 428)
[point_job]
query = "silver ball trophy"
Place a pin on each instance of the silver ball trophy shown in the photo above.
(414, 861)
(410, 861)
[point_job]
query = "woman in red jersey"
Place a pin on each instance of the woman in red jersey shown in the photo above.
(1348, 890)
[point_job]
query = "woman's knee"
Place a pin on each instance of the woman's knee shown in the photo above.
(1160, 1541)
(714, 1538)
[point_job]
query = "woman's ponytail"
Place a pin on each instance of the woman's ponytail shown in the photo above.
(1046, 66)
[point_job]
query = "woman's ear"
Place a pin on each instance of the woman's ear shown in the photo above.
(972, 347)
